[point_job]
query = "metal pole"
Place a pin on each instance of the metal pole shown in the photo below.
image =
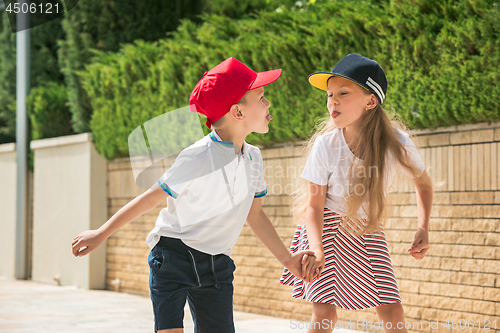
(22, 91)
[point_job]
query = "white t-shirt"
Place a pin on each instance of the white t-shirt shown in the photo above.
(330, 161)
(211, 190)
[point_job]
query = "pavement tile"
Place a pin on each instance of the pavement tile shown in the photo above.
(28, 307)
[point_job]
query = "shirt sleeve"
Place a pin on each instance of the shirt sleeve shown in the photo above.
(316, 169)
(178, 177)
(261, 189)
(413, 156)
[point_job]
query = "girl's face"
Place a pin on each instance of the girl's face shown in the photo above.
(347, 102)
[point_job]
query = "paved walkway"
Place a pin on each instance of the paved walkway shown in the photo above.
(27, 306)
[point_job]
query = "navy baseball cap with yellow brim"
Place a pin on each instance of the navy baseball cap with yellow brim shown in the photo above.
(364, 72)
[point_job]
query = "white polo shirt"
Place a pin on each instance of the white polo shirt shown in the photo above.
(211, 190)
(330, 161)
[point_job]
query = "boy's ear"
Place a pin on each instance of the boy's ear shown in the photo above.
(236, 112)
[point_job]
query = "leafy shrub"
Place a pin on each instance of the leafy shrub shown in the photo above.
(48, 111)
(441, 60)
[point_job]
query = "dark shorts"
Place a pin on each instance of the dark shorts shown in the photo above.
(179, 272)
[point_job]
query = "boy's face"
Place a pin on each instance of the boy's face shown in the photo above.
(255, 107)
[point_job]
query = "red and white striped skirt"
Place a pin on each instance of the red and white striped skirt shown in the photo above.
(358, 272)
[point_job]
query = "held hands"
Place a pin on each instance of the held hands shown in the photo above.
(312, 266)
(421, 244)
(299, 264)
(88, 240)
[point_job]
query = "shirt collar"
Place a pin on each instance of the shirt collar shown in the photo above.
(216, 138)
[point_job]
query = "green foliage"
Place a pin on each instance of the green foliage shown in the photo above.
(7, 82)
(238, 9)
(124, 101)
(62, 47)
(43, 68)
(105, 25)
(49, 114)
(444, 61)
(441, 60)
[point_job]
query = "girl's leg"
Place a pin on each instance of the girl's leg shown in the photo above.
(324, 317)
(394, 314)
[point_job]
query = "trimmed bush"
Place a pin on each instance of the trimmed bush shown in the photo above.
(48, 111)
(442, 61)
(105, 26)
(43, 68)
(238, 9)
(7, 82)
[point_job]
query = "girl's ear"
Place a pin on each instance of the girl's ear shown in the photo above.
(372, 102)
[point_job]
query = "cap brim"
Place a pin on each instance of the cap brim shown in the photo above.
(320, 80)
(265, 78)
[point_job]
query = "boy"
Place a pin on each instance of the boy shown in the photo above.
(212, 187)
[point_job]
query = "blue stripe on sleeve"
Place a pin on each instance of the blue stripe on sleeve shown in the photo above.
(168, 190)
(260, 194)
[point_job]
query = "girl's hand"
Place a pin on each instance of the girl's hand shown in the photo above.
(89, 240)
(312, 266)
(294, 265)
(421, 244)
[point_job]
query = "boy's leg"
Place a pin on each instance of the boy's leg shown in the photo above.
(170, 279)
(211, 304)
(168, 310)
(212, 309)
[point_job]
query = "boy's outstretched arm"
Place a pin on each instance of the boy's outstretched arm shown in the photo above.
(91, 239)
(264, 230)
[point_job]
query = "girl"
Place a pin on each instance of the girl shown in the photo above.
(351, 162)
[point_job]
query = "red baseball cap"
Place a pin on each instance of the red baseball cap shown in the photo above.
(225, 85)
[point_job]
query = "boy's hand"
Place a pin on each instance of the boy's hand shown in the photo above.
(294, 263)
(421, 244)
(312, 266)
(89, 240)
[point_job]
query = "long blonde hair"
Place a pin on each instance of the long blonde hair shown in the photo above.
(379, 137)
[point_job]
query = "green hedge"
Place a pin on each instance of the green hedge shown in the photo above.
(63, 45)
(7, 81)
(105, 26)
(44, 67)
(444, 61)
(49, 114)
(238, 9)
(441, 58)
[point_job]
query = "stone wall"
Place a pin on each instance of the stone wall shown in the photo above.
(458, 279)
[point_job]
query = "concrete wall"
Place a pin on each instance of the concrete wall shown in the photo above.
(70, 183)
(458, 279)
(8, 218)
(8, 190)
